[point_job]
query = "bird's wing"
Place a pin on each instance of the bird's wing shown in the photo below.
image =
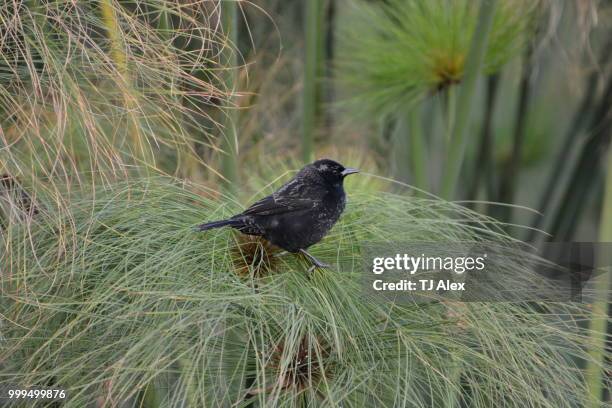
(291, 197)
(274, 205)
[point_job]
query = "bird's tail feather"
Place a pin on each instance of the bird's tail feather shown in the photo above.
(214, 224)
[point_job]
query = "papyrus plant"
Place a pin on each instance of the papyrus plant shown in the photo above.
(395, 52)
(90, 87)
(118, 300)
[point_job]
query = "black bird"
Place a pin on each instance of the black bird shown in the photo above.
(298, 214)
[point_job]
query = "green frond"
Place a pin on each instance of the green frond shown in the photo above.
(117, 294)
(396, 52)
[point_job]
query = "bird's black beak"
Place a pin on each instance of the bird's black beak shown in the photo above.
(349, 170)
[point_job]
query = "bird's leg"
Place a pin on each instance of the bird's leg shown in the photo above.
(315, 262)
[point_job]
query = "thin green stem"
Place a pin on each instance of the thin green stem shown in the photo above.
(449, 106)
(400, 152)
(484, 169)
(118, 55)
(418, 150)
(310, 93)
(510, 174)
(599, 320)
(327, 61)
(464, 103)
(229, 163)
(109, 18)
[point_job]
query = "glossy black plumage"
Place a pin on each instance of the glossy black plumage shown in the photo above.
(300, 213)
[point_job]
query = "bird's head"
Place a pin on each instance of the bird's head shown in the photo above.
(332, 171)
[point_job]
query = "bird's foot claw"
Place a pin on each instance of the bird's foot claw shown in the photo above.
(317, 265)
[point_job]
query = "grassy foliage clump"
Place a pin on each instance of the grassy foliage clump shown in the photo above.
(118, 300)
(97, 86)
(395, 52)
